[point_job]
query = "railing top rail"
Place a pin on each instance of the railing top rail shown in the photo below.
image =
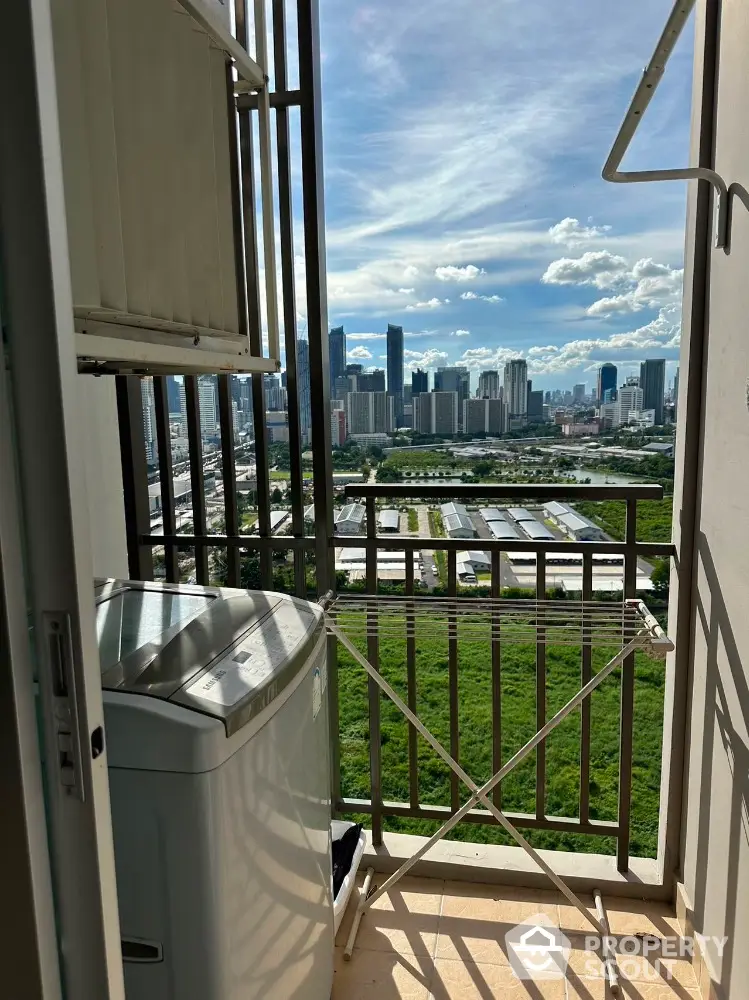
(507, 491)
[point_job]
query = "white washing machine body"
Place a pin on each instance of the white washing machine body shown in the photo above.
(218, 752)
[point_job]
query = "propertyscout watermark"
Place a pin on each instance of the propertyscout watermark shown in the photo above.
(539, 950)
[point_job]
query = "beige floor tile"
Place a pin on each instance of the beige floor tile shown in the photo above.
(597, 989)
(637, 968)
(372, 975)
(467, 939)
(405, 920)
(460, 981)
(625, 917)
(500, 904)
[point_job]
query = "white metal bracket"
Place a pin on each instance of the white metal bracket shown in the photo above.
(651, 77)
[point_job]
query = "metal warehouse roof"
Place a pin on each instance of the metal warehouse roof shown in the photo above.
(452, 508)
(573, 521)
(491, 514)
(389, 519)
(474, 556)
(501, 529)
(556, 509)
(277, 517)
(454, 522)
(351, 512)
(536, 530)
(521, 514)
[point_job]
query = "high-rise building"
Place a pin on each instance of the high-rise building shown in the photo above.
(208, 399)
(454, 380)
(629, 400)
(303, 390)
(578, 392)
(343, 385)
(610, 395)
(476, 415)
(337, 428)
(419, 382)
(653, 385)
(497, 417)
(395, 368)
(383, 412)
(275, 394)
(516, 389)
(606, 380)
(489, 387)
(172, 393)
(535, 405)
(369, 413)
(149, 418)
(371, 381)
(337, 353)
(436, 413)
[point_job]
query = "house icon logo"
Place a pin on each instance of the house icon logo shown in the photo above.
(537, 949)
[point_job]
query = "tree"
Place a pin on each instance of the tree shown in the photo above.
(276, 496)
(661, 577)
(482, 469)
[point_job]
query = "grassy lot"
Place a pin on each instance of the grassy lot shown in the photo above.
(413, 520)
(654, 517)
(518, 725)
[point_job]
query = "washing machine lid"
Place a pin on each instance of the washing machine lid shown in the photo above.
(248, 677)
(153, 637)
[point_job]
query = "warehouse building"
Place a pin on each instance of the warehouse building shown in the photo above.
(520, 514)
(456, 521)
(390, 565)
(388, 521)
(469, 564)
(536, 531)
(349, 520)
(574, 525)
(502, 529)
(491, 514)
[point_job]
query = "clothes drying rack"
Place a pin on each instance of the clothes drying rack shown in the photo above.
(626, 624)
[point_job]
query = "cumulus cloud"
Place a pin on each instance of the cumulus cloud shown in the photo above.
(600, 268)
(571, 233)
(452, 273)
(431, 358)
(461, 333)
(473, 297)
(433, 303)
(410, 271)
(478, 358)
(360, 354)
(365, 336)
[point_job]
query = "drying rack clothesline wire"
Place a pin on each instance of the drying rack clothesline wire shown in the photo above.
(626, 624)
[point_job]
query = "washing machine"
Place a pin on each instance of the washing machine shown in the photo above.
(216, 721)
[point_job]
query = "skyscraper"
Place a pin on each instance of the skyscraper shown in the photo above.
(653, 385)
(208, 400)
(454, 380)
(337, 352)
(371, 381)
(489, 385)
(395, 368)
(419, 382)
(369, 413)
(606, 380)
(629, 400)
(149, 418)
(172, 393)
(516, 389)
(303, 389)
(436, 413)
(578, 393)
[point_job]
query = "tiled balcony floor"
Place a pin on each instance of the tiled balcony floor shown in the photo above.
(434, 940)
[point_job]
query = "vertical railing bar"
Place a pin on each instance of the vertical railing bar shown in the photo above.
(246, 148)
(288, 289)
(627, 697)
(166, 478)
(134, 476)
(452, 653)
(373, 655)
(586, 674)
(540, 691)
(197, 486)
(496, 586)
(231, 513)
(413, 745)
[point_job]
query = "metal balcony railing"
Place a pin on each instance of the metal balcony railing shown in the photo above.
(630, 549)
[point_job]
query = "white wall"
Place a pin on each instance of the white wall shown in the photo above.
(101, 449)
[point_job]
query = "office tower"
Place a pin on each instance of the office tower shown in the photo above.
(208, 399)
(303, 389)
(653, 385)
(497, 417)
(395, 368)
(516, 389)
(456, 380)
(343, 385)
(476, 416)
(355, 369)
(547, 399)
(383, 413)
(149, 418)
(337, 428)
(369, 413)
(535, 405)
(488, 385)
(172, 393)
(371, 381)
(337, 353)
(275, 395)
(419, 382)
(407, 395)
(436, 413)
(578, 393)
(606, 380)
(610, 395)
(629, 400)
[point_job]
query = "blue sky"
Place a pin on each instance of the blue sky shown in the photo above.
(463, 149)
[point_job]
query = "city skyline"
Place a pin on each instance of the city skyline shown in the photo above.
(490, 236)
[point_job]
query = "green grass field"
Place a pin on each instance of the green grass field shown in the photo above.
(518, 725)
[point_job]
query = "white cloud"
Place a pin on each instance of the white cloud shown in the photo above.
(406, 291)
(365, 336)
(653, 286)
(411, 271)
(452, 273)
(472, 296)
(461, 333)
(600, 268)
(478, 358)
(360, 354)
(468, 296)
(570, 233)
(433, 303)
(431, 358)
